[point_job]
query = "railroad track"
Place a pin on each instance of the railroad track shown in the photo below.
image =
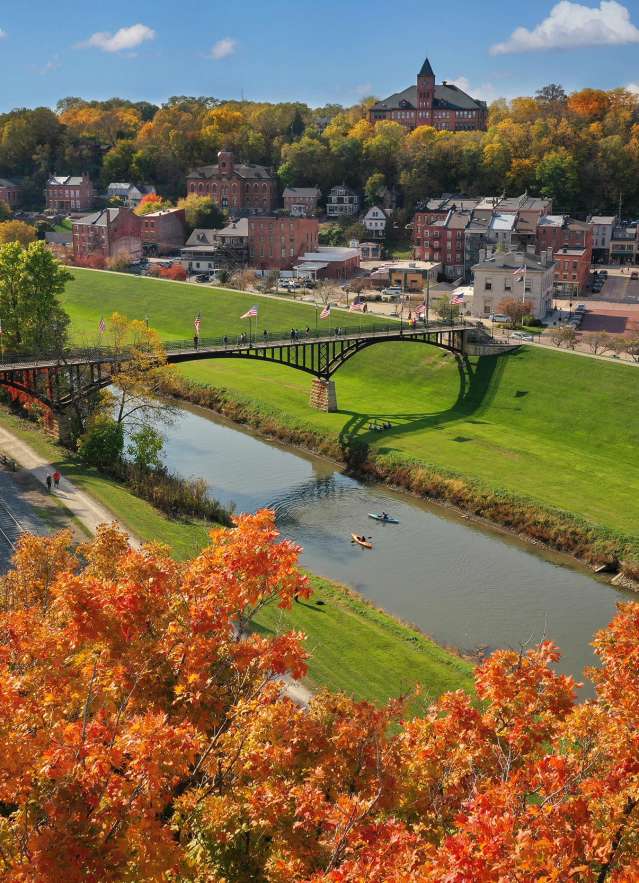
(10, 527)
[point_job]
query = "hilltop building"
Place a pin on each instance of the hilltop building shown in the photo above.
(444, 106)
(240, 188)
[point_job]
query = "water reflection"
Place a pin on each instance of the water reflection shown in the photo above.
(462, 584)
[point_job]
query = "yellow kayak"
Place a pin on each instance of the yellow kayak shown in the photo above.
(362, 541)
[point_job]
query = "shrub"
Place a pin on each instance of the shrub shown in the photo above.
(103, 442)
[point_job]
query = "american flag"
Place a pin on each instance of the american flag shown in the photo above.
(250, 314)
(357, 306)
(519, 274)
(326, 312)
(420, 310)
(197, 324)
(457, 299)
(102, 326)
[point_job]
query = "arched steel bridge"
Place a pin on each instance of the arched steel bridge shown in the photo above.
(57, 379)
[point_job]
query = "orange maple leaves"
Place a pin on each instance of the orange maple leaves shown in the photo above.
(145, 736)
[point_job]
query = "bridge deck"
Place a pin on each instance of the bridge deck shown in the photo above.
(184, 350)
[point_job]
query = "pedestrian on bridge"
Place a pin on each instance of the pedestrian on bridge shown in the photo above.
(56, 479)
(265, 335)
(226, 340)
(196, 341)
(49, 483)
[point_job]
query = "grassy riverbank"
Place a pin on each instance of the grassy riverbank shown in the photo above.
(354, 647)
(538, 424)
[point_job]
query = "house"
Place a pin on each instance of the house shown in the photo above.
(369, 251)
(571, 242)
(10, 192)
(602, 229)
(301, 202)
(444, 106)
(375, 221)
(163, 232)
(128, 193)
(240, 188)
(342, 202)
(69, 193)
(208, 250)
(623, 245)
(109, 233)
(277, 243)
(328, 262)
(500, 276)
(501, 228)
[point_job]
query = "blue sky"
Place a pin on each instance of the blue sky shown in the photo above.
(322, 51)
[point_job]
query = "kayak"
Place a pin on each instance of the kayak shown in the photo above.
(363, 543)
(388, 519)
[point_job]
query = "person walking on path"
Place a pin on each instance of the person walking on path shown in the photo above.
(48, 482)
(56, 479)
(196, 341)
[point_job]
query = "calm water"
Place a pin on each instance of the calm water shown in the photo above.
(464, 585)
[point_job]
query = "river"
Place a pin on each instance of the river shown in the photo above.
(464, 584)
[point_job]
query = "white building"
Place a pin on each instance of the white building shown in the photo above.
(375, 221)
(128, 192)
(500, 276)
(342, 202)
(602, 228)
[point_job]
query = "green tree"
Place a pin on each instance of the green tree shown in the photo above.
(557, 178)
(374, 188)
(103, 442)
(5, 210)
(201, 211)
(145, 448)
(31, 280)
(17, 231)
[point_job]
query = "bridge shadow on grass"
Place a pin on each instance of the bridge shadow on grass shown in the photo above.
(478, 385)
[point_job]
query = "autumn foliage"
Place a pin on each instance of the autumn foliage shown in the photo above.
(146, 737)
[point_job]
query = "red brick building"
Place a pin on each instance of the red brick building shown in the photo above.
(111, 232)
(276, 243)
(163, 232)
(69, 193)
(444, 106)
(301, 201)
(442, 241)
(571, 242)
(236, 187)
(10, 192)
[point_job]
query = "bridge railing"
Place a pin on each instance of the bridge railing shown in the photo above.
(230, 341)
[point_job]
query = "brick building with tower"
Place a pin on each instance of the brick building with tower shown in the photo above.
(444, 106)
(239, 188)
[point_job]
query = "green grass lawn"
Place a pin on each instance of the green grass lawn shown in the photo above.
(560, 430)
(355, 647)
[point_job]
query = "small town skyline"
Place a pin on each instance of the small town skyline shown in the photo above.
(499, 51)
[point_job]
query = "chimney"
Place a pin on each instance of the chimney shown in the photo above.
(550, 254)
(530, 248)
(544, 257)
(482, 254)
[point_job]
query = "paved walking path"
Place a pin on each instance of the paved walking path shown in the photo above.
(88, 511)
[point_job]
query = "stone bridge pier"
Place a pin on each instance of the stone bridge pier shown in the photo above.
(323, 396)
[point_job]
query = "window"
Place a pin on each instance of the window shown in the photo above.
(488, 285)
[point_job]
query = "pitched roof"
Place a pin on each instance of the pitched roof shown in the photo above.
(445, 97)
(302, 192)
(242, 170)
(426, 70)
(205, 236)
(98, 219)
(5, 182)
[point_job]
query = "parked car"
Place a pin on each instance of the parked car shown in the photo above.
(580, 308)
(603, 273)
(391, 294)
(498, 317)
(634, 275)
(522, 335)
(202, 277)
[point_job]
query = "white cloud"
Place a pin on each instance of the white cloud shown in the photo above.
(633, 87)
(125, 38)
(570, 25)
(53, 65)
(484, 91)
(223, 48)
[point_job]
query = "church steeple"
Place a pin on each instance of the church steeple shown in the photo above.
(425, 94)
(426, 70)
